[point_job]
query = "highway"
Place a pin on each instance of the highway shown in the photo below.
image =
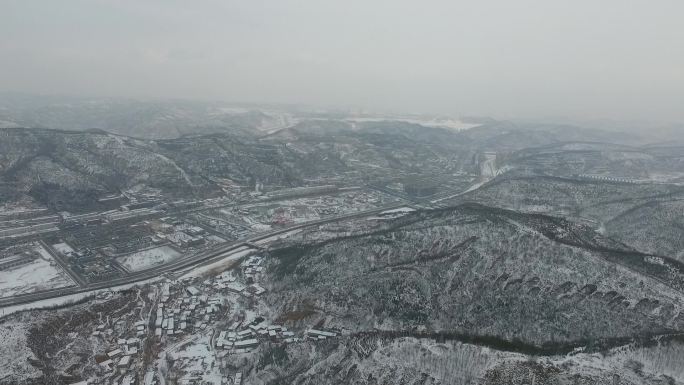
(209, 256)
(219, 251)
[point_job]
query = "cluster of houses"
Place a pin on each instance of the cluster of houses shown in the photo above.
(124, 352)
(253, 267)
(192, 309)
(124, 345)
(195, 307)
(227, 281)
(315, 334)
(123, 355)
(242, 341)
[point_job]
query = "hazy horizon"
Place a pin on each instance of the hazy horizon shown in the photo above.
(618, 60)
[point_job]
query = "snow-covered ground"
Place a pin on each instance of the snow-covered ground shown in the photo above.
(229, 258)
(260, 227)
(488, 167)
(146, 259)
(391, 214)
(195, 358)
(68, 299)
(398, 211)
(41, 274)
(447, 123)
(63, 248)
(15, 353)
(274, 238)
(488, 171)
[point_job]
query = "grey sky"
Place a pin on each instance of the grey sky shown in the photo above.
(621, 59)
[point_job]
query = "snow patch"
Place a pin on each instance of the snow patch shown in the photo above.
(399, 210)
(38, 275)
(229, 258)
(146, 259)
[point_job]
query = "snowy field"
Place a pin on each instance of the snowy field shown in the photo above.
(41, 274)
(196, 360)
(274, 238)
(400, 210)
(63, 248)
(228, 260)
(146, 259)
(15, 353)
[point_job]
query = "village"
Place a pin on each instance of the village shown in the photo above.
(196, 323)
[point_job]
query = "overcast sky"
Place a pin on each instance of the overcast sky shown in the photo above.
(620, 59)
